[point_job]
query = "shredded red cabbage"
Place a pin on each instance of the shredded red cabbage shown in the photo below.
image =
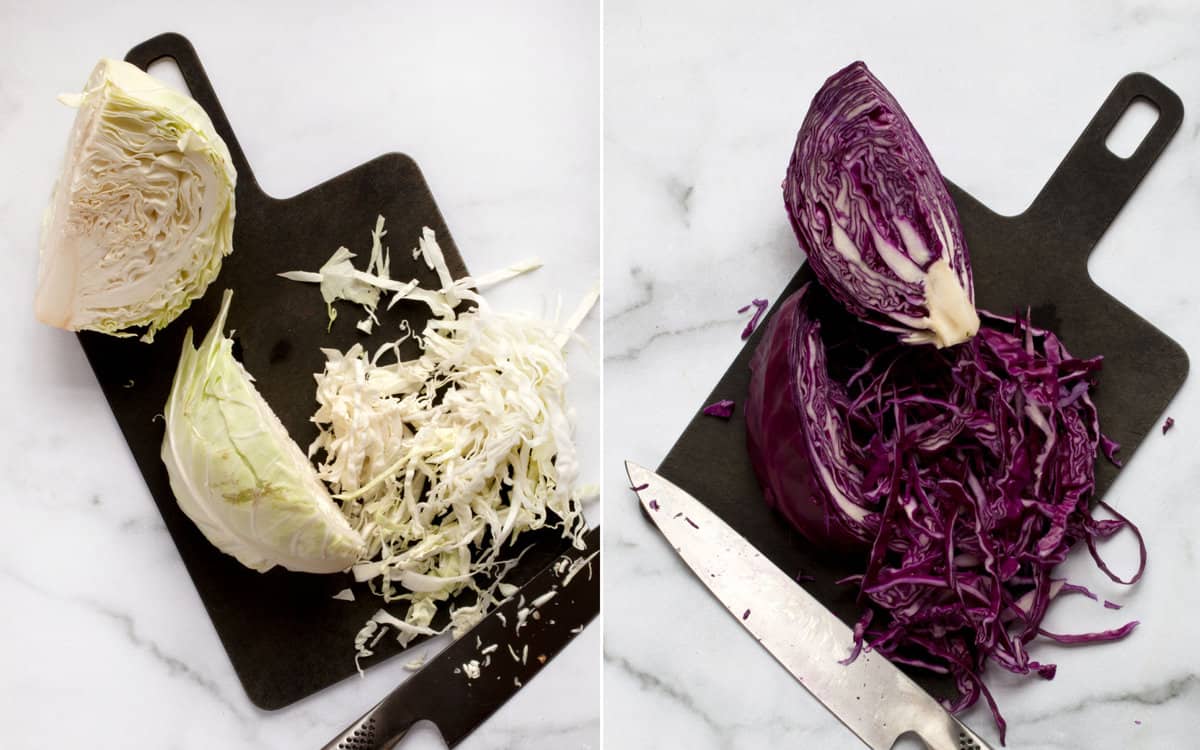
(964, 475)
(1071, 588)
(1167, 425)
(760, 307)
(722, 409)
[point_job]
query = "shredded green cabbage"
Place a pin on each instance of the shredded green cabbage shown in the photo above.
(339, 279)
(441, 462)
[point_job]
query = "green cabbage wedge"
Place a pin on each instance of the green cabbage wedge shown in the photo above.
(239, 476)
(142, 213)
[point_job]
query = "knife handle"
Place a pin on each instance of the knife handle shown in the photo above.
(941, 731)
(377, 729)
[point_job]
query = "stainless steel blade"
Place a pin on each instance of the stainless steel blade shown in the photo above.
(873, 698)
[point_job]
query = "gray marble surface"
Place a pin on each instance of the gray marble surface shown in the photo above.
(103, 641)
(701, 110)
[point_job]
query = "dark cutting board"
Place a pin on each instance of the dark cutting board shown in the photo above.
(285, 635)
(1036, 260)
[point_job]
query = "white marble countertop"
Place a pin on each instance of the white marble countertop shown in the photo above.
(103, 641)
(702, 107)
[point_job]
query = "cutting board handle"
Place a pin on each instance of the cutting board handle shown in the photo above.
(178, 48)
(1089, 187)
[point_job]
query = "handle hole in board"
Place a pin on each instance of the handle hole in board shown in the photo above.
(1132, 127)
(165, 70)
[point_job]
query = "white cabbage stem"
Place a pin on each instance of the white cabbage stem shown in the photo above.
(952, 316)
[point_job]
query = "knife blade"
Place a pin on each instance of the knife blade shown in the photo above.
(874, 699)
(551, 609)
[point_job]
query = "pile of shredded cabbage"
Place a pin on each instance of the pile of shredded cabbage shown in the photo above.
(961, 476)
(442, 462)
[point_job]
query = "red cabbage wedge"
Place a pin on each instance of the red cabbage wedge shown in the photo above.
(800, 443)
(873, 215)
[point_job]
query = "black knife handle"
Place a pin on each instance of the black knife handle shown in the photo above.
(381, 728)
(370, 732)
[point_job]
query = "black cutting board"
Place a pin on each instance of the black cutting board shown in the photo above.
(285, 635)
(1037, 261)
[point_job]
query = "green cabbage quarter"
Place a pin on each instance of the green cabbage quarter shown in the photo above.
(239, 476)
(142, 213)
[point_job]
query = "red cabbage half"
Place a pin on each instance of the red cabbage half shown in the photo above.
(962, 476)
(799, 439)
(873, 215)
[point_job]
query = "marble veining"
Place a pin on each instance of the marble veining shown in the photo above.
(104, 642)
(702, 105)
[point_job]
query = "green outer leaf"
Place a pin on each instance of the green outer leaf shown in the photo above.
(238, 475)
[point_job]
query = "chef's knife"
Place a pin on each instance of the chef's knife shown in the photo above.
(527, 630)
(873, 698)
